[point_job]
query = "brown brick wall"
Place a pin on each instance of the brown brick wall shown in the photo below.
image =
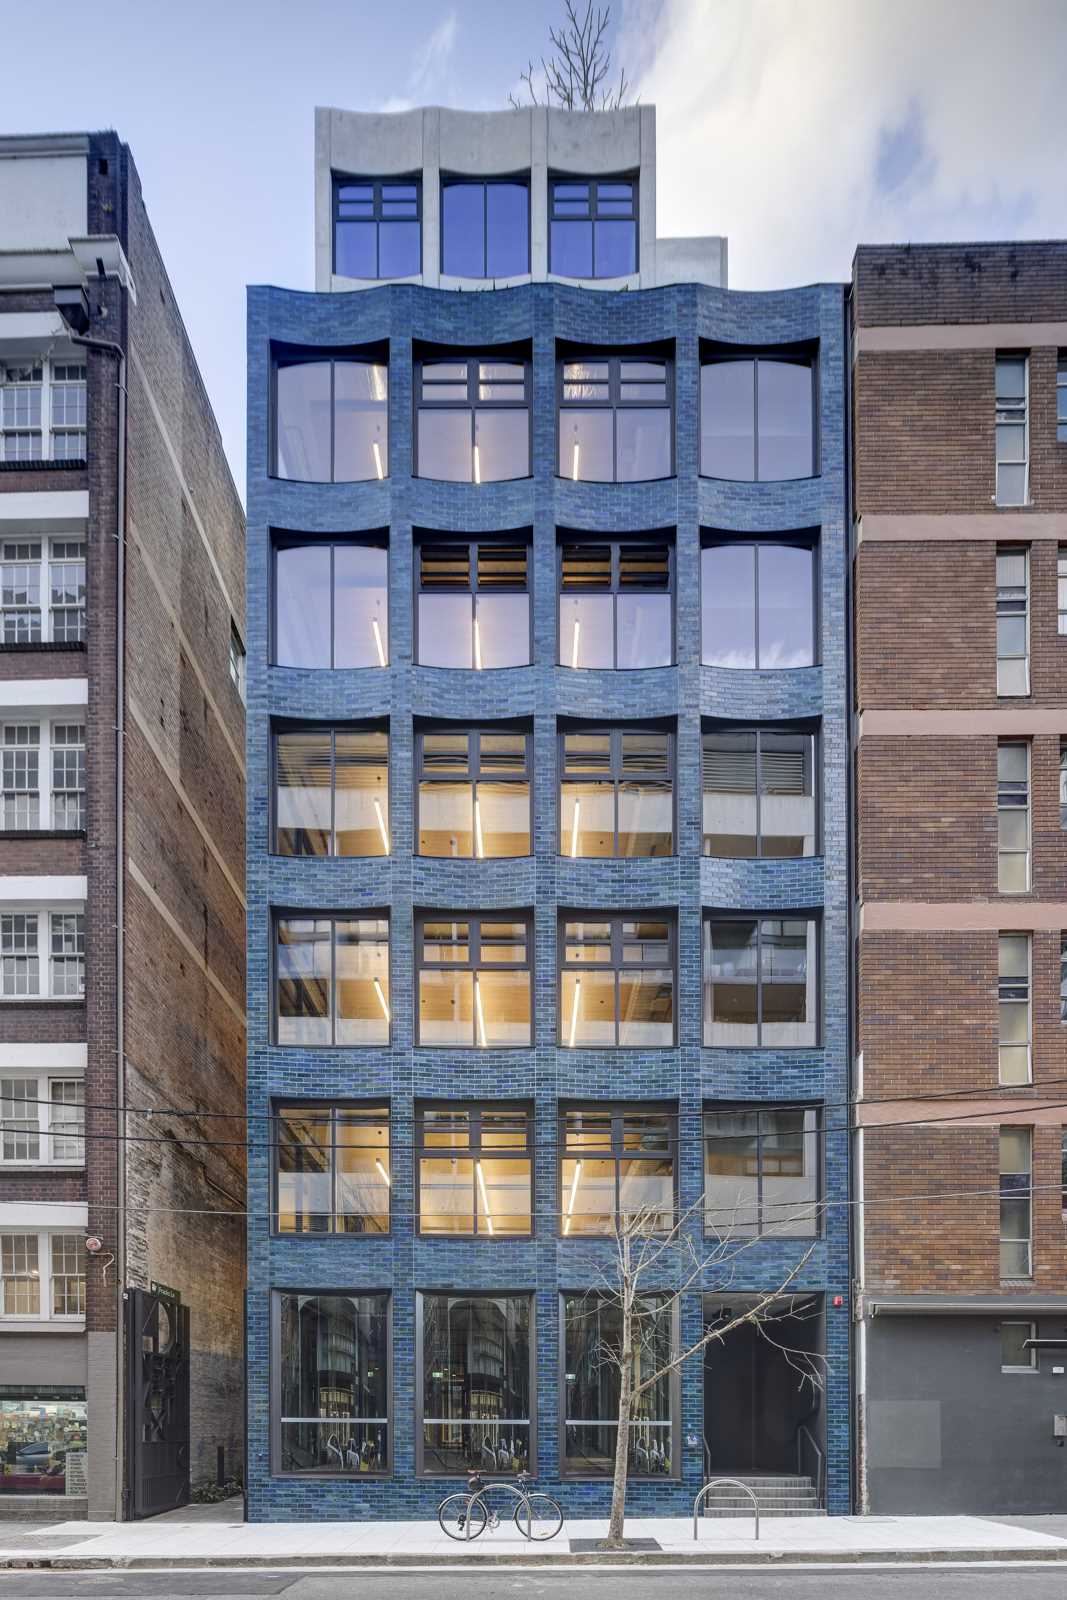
(945, 283)
(44, 1021)
(42, 661)
(45, 853)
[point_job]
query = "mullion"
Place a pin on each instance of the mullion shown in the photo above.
(333, 981)
(759, 793)
(333, 605)
(333, 414)
(333, 791)
(755, 602)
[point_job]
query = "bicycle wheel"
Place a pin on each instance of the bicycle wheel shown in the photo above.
(545, 1520)
(452, 1515)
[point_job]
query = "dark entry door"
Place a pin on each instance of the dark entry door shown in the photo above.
(157, 1402)
(753, 1403)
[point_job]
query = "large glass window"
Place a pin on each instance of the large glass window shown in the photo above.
(1012, 429)
(592, 1344)
(616, 605)
(332, 980)
(757, 418)
(42, 955)
(474, 980)
(331, 791)
(478, 1382)
(41, 1427)
(616, 792)
(332, 1383)
(331, 419)
(332, 1169)
(759, 793)
(617, 981)
(475, 1170)
(593, 227)
(615, 418)
(474, 793)
(42, 1120)
(42, 409)
(377, 227)
(760, 981)
(761, 1171)
(331, 604)
(473, 418)
(42, 591)
(1016, 1202)
(473, 604)
(1014, 1018)
(485, 228)
(757, 604)
(1013, 620)
(616, 1168)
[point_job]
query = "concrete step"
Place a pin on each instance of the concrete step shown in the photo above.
(779, 1494)
(713, 1512)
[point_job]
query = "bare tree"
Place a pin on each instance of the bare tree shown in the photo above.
(577, 75)
(646, 1253)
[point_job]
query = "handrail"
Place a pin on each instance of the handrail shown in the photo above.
(804, 1429)
(707, 1456)
(715, 1484)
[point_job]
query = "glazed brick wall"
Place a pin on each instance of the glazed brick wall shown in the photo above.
(929, 1184)
(946, 283)
(928, 1011)
(942, 596)
(686, 1075)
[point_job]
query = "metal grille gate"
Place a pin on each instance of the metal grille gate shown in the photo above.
(157, 1403)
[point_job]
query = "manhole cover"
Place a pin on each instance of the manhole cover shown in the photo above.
(584, 1547)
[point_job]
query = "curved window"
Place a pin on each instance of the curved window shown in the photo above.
(757, 418)
(616, 605)
(757, 605)
(485, 228)
(760, 982)
(331, 420)
(473, 604)
(617, 981)
(474, 793)
(331, 791)
(331, 604)
(615, 419)
(478, 1382)
(332, 980)
(376, 229)
(474, 987)
(759, 795)
(473, 419)
(616, 792)
(331, 1383)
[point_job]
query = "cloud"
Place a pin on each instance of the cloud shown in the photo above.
(803, 127)
(430, 77)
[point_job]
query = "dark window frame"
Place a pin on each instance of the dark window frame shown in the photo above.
(296, 355)
(809, 729)
(473, 360)
(530, 1296)
(593, 217)
(614, 1150)
(808, 914)
(280, 914)
(762, 1108)
(343, 180)
(615, 544)
(616, 919)
(674, 1390)
(474, 1109)
(616, 776)
(458, 180)
(283, 725)
(472, 542)
(616, 358)
(473, 731)
(713, 539)
(329, 1107)
(473, 919)
(372, 539)
(275, 1372)
(793, 355)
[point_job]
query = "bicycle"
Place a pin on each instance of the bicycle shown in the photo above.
(466, 1516)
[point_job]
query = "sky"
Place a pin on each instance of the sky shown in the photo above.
(796, 127)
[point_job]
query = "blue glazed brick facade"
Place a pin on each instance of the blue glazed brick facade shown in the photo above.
(688, 1074)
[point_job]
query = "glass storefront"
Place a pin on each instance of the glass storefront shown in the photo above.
(39, 1428)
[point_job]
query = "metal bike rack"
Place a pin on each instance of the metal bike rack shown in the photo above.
(518, 1495)
(717, 1483)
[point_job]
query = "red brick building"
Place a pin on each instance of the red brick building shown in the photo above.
(121, 860)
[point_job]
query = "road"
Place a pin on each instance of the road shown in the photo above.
(854, 1583)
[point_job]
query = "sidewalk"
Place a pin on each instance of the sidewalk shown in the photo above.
(231, 1543)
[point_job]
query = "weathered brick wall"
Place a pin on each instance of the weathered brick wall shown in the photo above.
(959, 283)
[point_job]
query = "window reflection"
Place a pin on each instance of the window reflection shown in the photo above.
(476, 1356)
(615, 607)
(616, 1164)
(760, 978)
(332, 792)
(474, 1168)
(757, 418)
(485, 229)
(592, 1327)
(617, 983)
(616, 793)
(758, 793)
(332, 980)
(473, 423)
(332, 1166)
(593, 228)
(332, 1377)
(474, 981)
(761, 1172)
(757, 605)
(331, 420)
(474, 794)
(615, 419)
(377, 230)
(331, 605)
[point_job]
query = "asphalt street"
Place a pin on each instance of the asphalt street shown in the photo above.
(851, 1583)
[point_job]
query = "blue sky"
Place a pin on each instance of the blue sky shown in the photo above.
(797, 127)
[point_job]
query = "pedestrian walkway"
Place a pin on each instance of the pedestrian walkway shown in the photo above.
(169, 1542)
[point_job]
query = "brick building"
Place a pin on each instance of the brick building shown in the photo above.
(960, 567)
(547, 866)
(121, 860)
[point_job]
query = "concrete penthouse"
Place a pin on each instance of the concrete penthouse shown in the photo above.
(960, 417)
(547, 812)
(121, 861)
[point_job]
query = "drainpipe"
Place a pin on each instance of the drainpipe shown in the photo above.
(109, 347)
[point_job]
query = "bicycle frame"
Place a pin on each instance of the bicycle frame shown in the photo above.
(517, 1494)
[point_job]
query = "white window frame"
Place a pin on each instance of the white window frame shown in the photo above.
(1013, 414)
(47, 427)
(45, 1276)
(1013, 800)
(1013, 601)
(52, 549)
(1015, 992)
(51, 1152)
(46, 971)
(53, 737)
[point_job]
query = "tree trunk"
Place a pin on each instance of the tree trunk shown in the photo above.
(615, 1539)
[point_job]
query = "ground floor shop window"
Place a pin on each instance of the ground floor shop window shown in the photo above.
(331, 1383)
(476, 1382)
(39, 1429)
(592, 1337)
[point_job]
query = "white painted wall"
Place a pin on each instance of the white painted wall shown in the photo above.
(43, 201)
